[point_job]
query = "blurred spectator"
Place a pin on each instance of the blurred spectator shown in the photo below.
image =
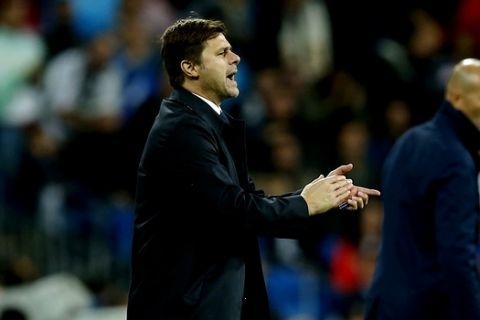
(324, 108)
(140, 66)
(154, 15)
(60, 33)
(83, 93)
(416, 63)
(34, 300)
(143, 84)
(389, 126)
(83, 89)
(106, 313)
(22, 54)
(305, 40)
(353, 147)
(239, 17)
(270, 104)
(286, 171)
(21, 50)
(19, 269)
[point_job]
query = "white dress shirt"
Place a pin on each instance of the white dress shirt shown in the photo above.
(215, 107)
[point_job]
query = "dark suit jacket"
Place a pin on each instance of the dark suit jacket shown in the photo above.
(195, 252)
(427, 264)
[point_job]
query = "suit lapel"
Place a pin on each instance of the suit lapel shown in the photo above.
(230, 132)
(235, 140)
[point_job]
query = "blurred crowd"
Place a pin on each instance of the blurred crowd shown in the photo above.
(322, 83)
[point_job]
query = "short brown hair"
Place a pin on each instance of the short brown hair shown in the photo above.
(184, 40)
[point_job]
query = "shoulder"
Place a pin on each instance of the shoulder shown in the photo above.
(177, 122)
(67, 65)
(178, 115)
(74, 55)
(428, 138)
(414, 141)
(432, 145)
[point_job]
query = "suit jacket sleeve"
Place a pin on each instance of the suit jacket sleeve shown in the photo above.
(195, 158)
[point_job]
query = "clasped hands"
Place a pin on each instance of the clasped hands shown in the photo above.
(326, 193)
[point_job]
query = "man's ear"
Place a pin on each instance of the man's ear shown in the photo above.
(453, 96)
(189, 69)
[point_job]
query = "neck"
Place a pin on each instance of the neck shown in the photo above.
(197, 90)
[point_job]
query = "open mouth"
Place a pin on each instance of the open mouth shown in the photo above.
(231, 76)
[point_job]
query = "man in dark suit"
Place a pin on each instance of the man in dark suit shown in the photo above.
(195, 253)
(427, 264)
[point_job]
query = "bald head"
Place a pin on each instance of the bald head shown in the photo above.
(465, 76)
(463, 89)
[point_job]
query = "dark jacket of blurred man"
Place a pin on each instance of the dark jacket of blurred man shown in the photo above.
(427, 268)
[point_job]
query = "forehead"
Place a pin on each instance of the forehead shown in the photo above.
(217, 43)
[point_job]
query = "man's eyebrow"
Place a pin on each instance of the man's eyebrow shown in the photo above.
(223, 48)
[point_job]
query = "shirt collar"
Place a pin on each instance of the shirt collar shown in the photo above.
(217, 109)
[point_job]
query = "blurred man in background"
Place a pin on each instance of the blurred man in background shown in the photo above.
(427, 265)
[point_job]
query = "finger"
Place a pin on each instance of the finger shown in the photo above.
(370, 192)
(352, 204)
(364, 197)
(356, 203)
(342, 194)
(359, 201)
(338, 178)
(348, 183)
(329, 180)
(354, 190)
(335, 179)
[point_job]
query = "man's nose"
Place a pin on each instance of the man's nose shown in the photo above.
(236, 58)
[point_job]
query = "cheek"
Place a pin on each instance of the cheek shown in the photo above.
(473, 102)
(477, 107)
(215, 72)
(210, 75)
